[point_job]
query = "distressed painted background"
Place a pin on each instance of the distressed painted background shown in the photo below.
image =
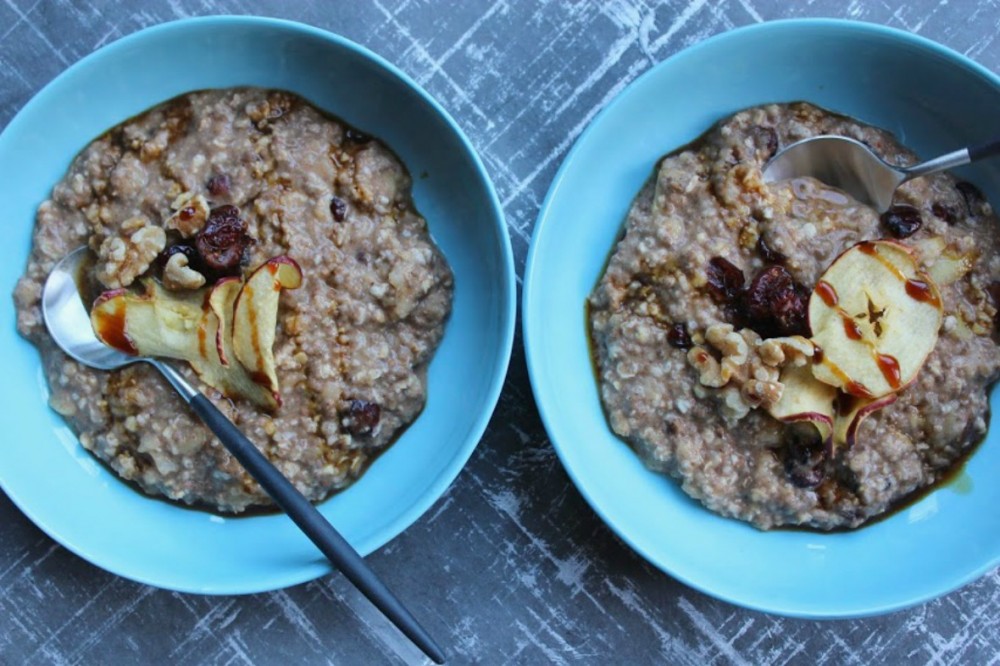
(531, 574)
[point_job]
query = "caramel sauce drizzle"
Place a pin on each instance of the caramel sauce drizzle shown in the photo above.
(111, 329)
(917, 289)
(890, 369)
(921, 291)
(871, 249)
(202, 351)
(857, 389)
(273, 270)
(252, 320)
(827, 293)
(817, 353)
(850, 386)
(851, 328)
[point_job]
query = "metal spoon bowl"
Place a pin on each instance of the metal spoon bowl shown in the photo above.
(852, 166)
(68, 322)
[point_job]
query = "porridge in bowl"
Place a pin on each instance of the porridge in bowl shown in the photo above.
(788, 354)
(199, 212)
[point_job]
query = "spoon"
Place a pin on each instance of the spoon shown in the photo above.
(69, 324)
(851, 166)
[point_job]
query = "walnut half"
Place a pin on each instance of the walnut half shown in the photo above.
(122, 260)
(178, 275)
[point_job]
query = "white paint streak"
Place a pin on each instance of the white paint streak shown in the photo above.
(574, 132)
(702, 624)
(41, 35)
(682, 20)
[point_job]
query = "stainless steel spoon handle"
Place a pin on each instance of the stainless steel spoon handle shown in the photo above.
(953, 159)
(303, 513)
(950, 161)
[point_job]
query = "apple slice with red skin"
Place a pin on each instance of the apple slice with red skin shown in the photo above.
(851, 410)
(221, 371)
(195, 326)
(876, 317)
(153, 323)
(221, 300)
(835, 415)
(805, 399)
(255, 318)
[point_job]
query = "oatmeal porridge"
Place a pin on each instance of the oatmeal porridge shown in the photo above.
(204, 192)
(788, 354)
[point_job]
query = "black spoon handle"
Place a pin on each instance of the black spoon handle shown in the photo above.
(304, 514)
(984, 150)
(315, 526)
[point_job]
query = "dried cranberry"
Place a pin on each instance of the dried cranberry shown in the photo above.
(361, 417)
(223, 242)
(679, 337)
(804, 457)
(218, 185)
(356, 136)
(775, 305)
(338, 207)
(973, 196)
(177, 248)
(768, 254)
(901, 220)
(945, 212)
(724, 280)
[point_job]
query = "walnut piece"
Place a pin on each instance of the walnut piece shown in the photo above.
(709, 369)
(743, 370)
(731, 344)
(122, 260)
(734, 405)
(190, 214)
(794, 350)
(177, 275)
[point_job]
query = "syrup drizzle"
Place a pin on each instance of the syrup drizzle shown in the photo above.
(827, 293)
(111, 329)
(920, 290)
(890, 369)
(851, 328)
(850, 386)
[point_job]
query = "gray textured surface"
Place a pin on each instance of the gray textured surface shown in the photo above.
(511, 565)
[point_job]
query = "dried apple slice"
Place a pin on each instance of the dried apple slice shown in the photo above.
(876, 318)
(154, 323)
(850, 412)
(192, 326)
(255, 318)
(221, 301)
(216, 365)
(944, 264)
(805, 398)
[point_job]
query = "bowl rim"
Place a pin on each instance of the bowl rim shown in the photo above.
(530, 329)
(506, 283)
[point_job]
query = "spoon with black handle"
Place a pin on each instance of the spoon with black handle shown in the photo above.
(69, 324)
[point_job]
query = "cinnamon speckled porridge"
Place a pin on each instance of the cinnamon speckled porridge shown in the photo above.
(703, 300)
(352, 343)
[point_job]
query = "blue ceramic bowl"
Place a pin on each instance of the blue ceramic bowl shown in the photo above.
(79, 503)
(934, 100)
